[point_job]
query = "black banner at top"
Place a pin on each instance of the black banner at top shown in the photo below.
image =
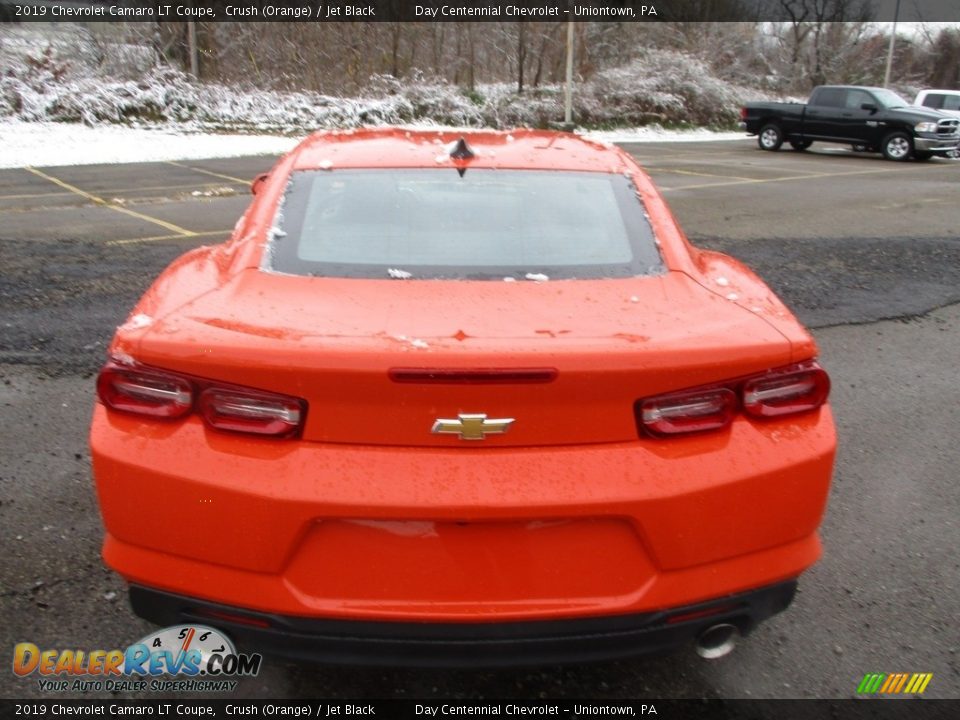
(477, 10)
(451, 709)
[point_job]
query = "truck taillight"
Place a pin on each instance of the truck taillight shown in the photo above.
(789, 390)
(743, 113)
(162, 394)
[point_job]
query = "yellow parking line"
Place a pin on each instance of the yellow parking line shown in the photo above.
(900, 205)
(781, 168)
(117, 208)
(792, 177)
(33, 195)
(209, 172)
(184, 188)
(131, 241)
(700, 174)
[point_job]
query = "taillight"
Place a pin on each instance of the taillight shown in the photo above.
(686, 412)
(787, 391)
(163, 394)
(145, 392)
(250, 412)
(797, 388)
(743, 113)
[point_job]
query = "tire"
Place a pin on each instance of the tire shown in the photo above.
(922, 156)
(800, 146)
(770, 137)
(897, 146)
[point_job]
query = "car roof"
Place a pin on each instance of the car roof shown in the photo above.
(417, 148)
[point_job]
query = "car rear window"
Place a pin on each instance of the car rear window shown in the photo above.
(485, 224)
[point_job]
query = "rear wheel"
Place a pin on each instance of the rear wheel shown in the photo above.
(800, 146)
(897, 146)
(770, 138)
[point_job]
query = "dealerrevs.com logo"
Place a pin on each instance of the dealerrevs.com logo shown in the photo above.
(182, 658)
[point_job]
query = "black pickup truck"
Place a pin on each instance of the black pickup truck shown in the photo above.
(869, 118)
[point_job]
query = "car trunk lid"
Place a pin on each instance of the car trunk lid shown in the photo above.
(425, 363)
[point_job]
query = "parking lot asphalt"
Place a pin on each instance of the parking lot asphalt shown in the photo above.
(864, 250)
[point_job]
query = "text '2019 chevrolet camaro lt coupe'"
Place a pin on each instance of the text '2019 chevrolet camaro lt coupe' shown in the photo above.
(470, 400)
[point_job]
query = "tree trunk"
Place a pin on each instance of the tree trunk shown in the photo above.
(521, 53)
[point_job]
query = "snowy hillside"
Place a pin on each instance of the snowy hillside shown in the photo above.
(676, 92)
(67, 98)
(65, 80)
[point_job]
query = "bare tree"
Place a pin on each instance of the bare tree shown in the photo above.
(819, 28)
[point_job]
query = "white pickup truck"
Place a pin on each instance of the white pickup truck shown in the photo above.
(946, 101)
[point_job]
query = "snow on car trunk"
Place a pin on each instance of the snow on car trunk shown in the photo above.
(381, 361)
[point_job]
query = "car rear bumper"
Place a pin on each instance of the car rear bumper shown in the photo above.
(465, 534)
(466, 644)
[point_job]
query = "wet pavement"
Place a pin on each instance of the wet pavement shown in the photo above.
(865, 251)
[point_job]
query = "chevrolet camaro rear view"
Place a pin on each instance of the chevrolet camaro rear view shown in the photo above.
(461, 399)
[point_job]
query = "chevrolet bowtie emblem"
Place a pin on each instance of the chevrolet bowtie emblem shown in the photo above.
(471, 426)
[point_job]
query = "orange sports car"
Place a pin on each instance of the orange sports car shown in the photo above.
(461, 399)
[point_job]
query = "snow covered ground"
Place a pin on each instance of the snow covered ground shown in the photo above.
(41, 144)
(655, 133)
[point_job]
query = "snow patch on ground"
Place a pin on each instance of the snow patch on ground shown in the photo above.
(655, 133)
(44, 144)
(41, 144)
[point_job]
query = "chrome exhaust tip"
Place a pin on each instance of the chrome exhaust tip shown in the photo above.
(717, 640)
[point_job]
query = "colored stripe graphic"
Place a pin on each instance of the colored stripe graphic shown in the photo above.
(927, 677)
(889, 682)
(894, 683)
(870, 683)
